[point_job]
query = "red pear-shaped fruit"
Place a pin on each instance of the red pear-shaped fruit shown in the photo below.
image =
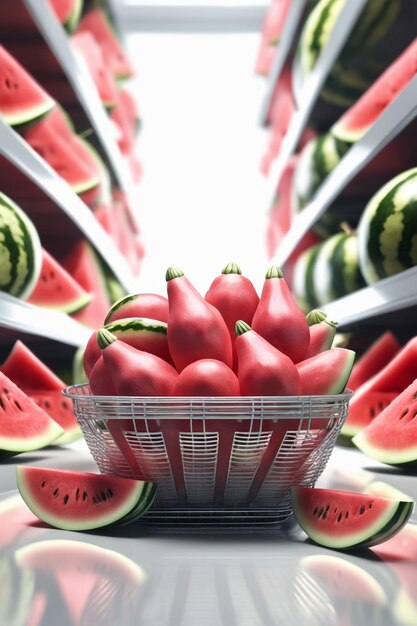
(235, 297)
(262, 369)
(196, 329)
(322, 332)
(207, 377)
(135, 372)
(100, 379)
(279, 319)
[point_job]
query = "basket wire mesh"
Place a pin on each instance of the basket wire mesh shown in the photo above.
(216, 461)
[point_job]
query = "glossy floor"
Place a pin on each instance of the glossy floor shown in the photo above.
(136, 576)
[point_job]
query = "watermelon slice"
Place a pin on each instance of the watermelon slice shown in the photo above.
(326, 373)
(56, 289)
(68, 12)
(86, 44)
(84, 266)
(22, 99)
(374, 395)
(353, 124)
(78, 500)
(23, 425)
(343, 520)
(39, 382)
(392, 436)
(127, 133)
(62, 157)
(96, 22)
(379, 353)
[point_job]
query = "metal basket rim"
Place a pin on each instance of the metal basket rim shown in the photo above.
(72, 392)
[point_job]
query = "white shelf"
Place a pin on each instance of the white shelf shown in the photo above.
(21, 316)
(292, 21)
(80, 80)
(22, 156)
(401, 111)
(312, 87)
(390, 294)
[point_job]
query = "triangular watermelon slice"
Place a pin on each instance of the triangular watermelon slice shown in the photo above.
(22, 99)
(56, 288)
(400, 372)
(84, 266)
(68, 12)
(95, 21)
(39, 382)
(379, 353)
(23, 425)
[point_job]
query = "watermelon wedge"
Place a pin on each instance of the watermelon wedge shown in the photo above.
(56, 289)
(96, 22)
(391, 437)
(79, 500)
(353, 124)
(39, 382)
(345, 520)
(23, 425)
(392, 379)
(326, 373)
(68, 12)
(379, 353)
(22, 99)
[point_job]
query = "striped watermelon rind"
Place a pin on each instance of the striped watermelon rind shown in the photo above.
(20, 250)
(387, 229)
(303, 286)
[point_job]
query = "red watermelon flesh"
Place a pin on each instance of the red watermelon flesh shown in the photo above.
(61, 157)
(84, 266)
(130, 106)
(126, 139)
(57, 289)
(379, 353)
(400, 372)
(96, 22)
(23, 425)
(67, 11)
(264, 59)
(274, 20)
(282, 212)
(61, 123)
(392, 436)
(88, 47)
(22, 99)
(355, 122)
(326, 373)
(39, 382)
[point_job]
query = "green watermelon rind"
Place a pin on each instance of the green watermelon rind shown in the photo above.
(142, 507)
(63, 521)
(72, 21)
(392, 456)
(386, 526)
(29, 115)
(372, 225)
(27, 254)
(16, 445)
(304, 290)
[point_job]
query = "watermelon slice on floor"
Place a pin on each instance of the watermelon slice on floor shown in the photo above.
(345, 520)
(56, 288)
(83, 264)
(378, 354)
(391, 437)
(326, 373)
(40, 383)
(353, 124)
(68, 12)
(22, 99)
(86, 44)
(96, 22)
(23, 425)
(374, 395)
(80, 500)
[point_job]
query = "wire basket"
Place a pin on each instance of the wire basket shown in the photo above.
(216, 461)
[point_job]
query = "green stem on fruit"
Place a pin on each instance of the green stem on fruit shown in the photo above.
(105, 338)
(274, 272)
(173, 272)
(315, 317)
(231, 268)
(241, 327)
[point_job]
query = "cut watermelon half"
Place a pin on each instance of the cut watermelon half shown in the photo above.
(360, 117)
(391, 437)
(68, 12)
(84, 266)
(96, 22)
(62, 157)
(39, 382)
(78, 500)
(23, 425)
(86, 44)
(345, 520)
(379, 353)
(326, 373)
(22, 99)
(400, 372)
(56, 288)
